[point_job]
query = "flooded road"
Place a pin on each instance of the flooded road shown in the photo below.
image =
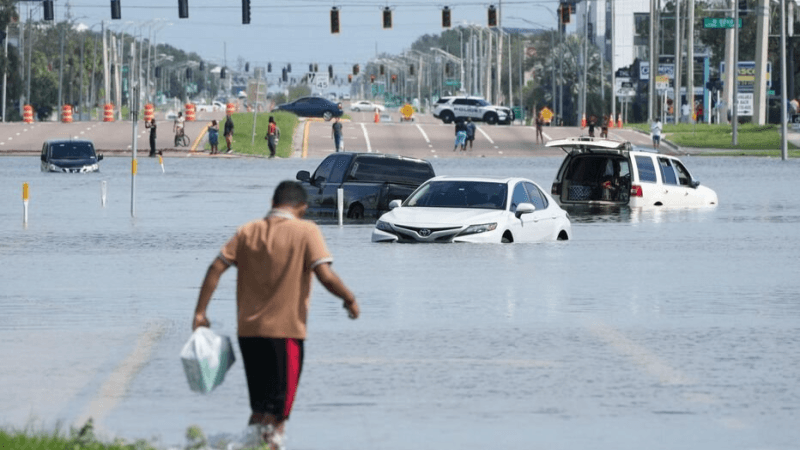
(649, 329)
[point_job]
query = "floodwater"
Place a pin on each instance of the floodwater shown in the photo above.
(660, 329)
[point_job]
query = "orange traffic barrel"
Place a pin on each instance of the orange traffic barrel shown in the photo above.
(27, 114)
(611, 121)
(108, 112)
(149, 112)
(190, 109)
(230, 108)
(66, 114)
(583, 121)
(619, 122)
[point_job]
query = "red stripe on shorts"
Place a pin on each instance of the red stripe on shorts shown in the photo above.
(292, 374)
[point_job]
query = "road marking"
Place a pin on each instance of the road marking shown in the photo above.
(423, 134)
(485, 135)
(82, 132)
(17, 134)
(113, 390)
(304, 154)
(366, 136)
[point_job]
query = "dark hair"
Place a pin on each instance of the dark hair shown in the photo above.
(213, 122)
(289, 193)
(271, 119)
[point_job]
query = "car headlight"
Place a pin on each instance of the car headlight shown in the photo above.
(53, 168)
(482, 228)
(384, 226)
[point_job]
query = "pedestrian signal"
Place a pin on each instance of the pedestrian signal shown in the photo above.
(564, 10)
(349, 77)
(394, 78)
(372, 78)
(743, 8)
(492, 16)
(48, 10)
(446, 17)
(116, 10)
(334, 20)
(387, 17)
(183, 9)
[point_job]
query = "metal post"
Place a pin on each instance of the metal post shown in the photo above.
(80, 102)
(690, 58)
(134, 132)
(651, 85)
(585, 67)
(784, 130)
(735, 80)
(676, 106)
(497, 89)
(255, 108)
(61, 71)
(613, 67)
(5, 74)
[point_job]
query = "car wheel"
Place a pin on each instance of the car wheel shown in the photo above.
(490, 118)
(327, 115)
(356, 212)
(507, 238)
(356, 110)
(447, 117)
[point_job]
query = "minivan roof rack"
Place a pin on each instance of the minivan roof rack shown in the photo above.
(588, 142)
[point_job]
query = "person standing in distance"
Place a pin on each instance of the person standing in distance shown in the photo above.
(152, 125)
(470, 125)
(228, 133)
(213, 137)
(655, 130)
(275, 257)
(336, 134)
(539, 125)
(272, 132)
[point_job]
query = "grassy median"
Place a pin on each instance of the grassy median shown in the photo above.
(750, 136)
(243, 129)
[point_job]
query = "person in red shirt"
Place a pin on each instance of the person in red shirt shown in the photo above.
(275, 257)
(272, 132)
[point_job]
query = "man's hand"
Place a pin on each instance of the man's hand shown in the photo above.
(200, 320)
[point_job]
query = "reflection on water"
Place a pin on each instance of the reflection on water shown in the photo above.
(656, 329)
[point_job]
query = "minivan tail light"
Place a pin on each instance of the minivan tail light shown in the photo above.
(636, 190)
(556, 189)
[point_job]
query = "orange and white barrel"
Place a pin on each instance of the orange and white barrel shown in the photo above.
(230, 108)
(66, 114)
(619, 122)
(190, 112)
(27, 114)
(108, 112)
(149, 112)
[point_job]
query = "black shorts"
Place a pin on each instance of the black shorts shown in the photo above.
(273, 367)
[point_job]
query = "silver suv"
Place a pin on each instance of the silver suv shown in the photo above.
(476, 108)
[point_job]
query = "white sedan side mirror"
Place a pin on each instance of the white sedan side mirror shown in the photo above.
(395, 204)
(524, 208)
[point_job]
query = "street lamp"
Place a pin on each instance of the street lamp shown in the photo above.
(454, 58)
(552, 66)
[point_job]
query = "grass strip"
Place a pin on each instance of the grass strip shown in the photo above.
(750, 136)
(243, 129)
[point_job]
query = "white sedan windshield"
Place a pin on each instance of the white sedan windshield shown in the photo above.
(460, 194)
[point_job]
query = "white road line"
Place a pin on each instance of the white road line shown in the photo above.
(423, 134)
(366, 137)
(484, 134)
(118, 382)
(545, 135)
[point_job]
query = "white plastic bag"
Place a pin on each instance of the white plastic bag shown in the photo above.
(206, 358)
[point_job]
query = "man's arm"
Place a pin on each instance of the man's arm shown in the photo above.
(336, 286)
(215, 271)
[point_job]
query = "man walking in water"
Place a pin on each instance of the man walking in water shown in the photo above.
(275, 257)
(336, 134)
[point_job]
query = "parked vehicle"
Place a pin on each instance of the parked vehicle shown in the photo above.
(609, 172)
(449, 109)
(364, 105)
(313, 107)
(466, 209)
(369, 180)
(71, 156)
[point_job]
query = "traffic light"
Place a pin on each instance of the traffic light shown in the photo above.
(394, 78)
(372, 78)
(356, 69)
(284, 75)
(387, 18)
(183, 9)
(411, 69)
(116, 10)
(269, 67)
(222, 73)
(334, 20)
(245, 12)
(188, 73)
(447, 69)
(202, 66)
(382, 70)
(446, 17)
(247, 67)
(316, 67)
(158, 72)
(743, 8)
(349, 77)
(564, 11)
(492, 16)
(330, 71)
(48, 10)
(289, 68)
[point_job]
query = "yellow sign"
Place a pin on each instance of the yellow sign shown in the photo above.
(662, 79)
(407, 111)
(546, 114)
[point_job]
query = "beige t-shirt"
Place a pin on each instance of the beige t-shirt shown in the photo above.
(276, 257)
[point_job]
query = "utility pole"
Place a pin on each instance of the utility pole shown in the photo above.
(585, 58)
(61, 71)
(5, 73)
(735, 79)
(690, 58)
(729, 77)
(613, 66)
(497, 89)
(106, 77)
(651, 85)
(760, 85)
(784, 98)
(676, 105)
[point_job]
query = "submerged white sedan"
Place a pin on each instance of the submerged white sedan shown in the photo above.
(461, 209)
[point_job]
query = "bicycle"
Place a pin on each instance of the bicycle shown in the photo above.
(181, 140)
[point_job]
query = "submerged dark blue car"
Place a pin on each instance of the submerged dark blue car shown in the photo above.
(72, 156)
(313, 107)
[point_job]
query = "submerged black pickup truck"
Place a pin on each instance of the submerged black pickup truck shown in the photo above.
(369, 180)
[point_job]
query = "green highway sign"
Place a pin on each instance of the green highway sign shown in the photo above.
(452, 83)
(720, 22)
(771, 92)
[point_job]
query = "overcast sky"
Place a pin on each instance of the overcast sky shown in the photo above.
(296, 31)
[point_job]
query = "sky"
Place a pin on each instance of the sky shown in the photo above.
(293, 31)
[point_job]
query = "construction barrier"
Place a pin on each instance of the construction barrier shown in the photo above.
(619, 122)
(377, 116)
(66, 114)
(149, 112)
(611, 121)
(230, 108)
(27, 114)
(190, 110)
(108, 112)
(583, 121)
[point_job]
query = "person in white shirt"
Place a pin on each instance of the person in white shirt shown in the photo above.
(655, 130)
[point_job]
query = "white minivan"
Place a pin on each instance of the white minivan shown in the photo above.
(609, 172)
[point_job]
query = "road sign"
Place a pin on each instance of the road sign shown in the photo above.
(745, 104)
(318, 80)
(720, 22)
(547, 114)
(662, 82)
(452, 83)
